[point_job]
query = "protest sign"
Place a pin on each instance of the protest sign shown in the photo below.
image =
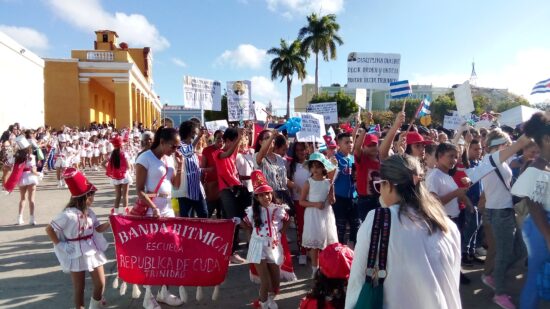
(361, 97)
(199, 92)
(373, 70)
(260, 111)
(313, 127)
(172, 251)
(455, 120)
(463, 99)
(213, 126)
(483, 124)
(239, 101)
(329, 110)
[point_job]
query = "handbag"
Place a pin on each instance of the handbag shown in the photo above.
(543, 281)
(141, 206)
(372, 292)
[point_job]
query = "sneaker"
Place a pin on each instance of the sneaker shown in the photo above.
(237, 259)
(271, 301)
(504, 301)
(488, 281)
(149, 302)
(481, 251)
(302, 260)
(60, 184)
(164, 296)
(477, 260)
(20, 220)
(32, 221)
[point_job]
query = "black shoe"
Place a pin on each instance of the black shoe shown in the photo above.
(467, 260)
(477, 260)
(464, 279)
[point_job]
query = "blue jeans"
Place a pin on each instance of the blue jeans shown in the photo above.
(345, 211)
(188, 206)
(509, 246)
(537, 254)
(366, 204)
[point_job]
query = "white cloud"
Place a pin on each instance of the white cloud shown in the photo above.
(179, 62)
(89, 15)
(265, 90)
(518, 75)
(290, 8)
(245, 56)
(27, 37)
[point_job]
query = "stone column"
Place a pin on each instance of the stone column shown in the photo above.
(123, 103)
(84, 90)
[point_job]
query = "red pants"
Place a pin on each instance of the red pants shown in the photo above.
(300, 210)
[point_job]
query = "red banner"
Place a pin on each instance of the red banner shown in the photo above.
(172, 251)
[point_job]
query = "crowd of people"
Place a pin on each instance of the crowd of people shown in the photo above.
(440, 218)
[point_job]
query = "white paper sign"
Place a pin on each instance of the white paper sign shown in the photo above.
(239, 101)
(463, 99)
(483, 124)
(373, 70)
(260, 111)
(454, 121)
(361, 97)
(213, 126)
(199, 92)
(329, 110)
(313, 128)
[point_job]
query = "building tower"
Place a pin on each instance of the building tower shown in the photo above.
(473, 76)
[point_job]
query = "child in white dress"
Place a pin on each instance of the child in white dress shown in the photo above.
(78, 242)
(317, 197)
(267, 221)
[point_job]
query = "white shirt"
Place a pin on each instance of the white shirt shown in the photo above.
(299, 178)
(534, 184)
(155, 170)
(442, 184)
(423, 271)
(497, 195)
(245, 166)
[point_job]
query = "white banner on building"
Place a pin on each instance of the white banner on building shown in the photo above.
(313, 128)
(361, 97)
(199, 92)
(239, 101)
(454, 121)
(463, 99)
(213, 126)
(329, 110)
(373, 70)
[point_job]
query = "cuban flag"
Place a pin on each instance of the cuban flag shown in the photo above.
(423, 109)
(400, 89)
(541, 87)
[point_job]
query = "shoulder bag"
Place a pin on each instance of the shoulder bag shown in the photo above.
(141, 206)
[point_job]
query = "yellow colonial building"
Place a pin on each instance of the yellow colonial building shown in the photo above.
(111, 83)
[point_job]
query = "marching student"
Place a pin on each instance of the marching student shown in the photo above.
(117, 166)
(78, 242)
(267, 221)
(27, 183)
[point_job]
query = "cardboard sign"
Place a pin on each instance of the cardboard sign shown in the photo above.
(202, 93)
(239, 101)
(260, 111)
(313, 128)
(454, 121)
(361, 97)
(213, 126)
(373, 70)
(329, 110)
(463, 99)
(172, 251)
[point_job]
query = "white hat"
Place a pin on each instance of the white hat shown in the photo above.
(137, 134)
(86, 134)
(61, 138)
(22, 142)
(75, 137)
(103, 131)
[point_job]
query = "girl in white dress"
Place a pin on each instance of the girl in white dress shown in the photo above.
(267, 221)
(317, 197)
(27, 183)
(78, 242)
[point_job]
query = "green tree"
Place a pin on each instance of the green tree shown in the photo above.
(345, 103)
(320, 35)
(410, 109)
(481, 104)
(382, 117)
(289, 60)
(217, 115)
(512, 101)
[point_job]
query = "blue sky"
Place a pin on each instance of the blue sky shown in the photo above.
(227, 39)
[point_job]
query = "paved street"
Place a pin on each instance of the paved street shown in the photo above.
(30, 276)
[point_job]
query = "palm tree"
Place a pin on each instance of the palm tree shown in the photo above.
(320, 35)
(289, 60)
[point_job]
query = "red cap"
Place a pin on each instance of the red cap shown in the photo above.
(259, 183)
(77, 183)
(335, 261)
(117, 142)
(415, 138)
(370, 139)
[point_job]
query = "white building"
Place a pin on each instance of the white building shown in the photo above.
(21, 85)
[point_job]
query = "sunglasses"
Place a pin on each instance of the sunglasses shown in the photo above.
(378, 185)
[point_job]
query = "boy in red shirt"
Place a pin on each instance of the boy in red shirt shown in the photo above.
(367, 166)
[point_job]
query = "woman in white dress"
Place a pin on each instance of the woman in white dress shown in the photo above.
(153, 167)
(534, 186)
(423, 257)
(27, 183)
